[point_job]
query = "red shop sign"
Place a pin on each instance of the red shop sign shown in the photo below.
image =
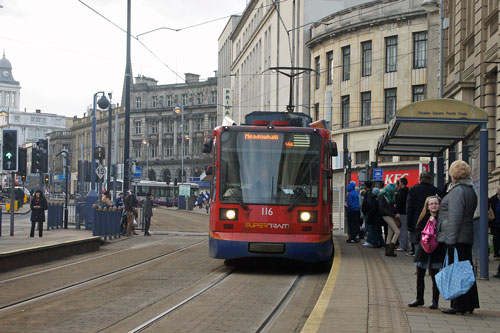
(391, 176)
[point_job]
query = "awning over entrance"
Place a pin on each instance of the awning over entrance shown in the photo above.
(429, 127)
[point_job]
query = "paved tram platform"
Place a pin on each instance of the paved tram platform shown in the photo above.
(369, 292)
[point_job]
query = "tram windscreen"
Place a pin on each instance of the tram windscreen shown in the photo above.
(278, 168)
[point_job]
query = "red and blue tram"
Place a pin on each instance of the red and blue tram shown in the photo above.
(271, 194)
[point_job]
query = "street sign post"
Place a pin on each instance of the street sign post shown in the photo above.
(378, 174)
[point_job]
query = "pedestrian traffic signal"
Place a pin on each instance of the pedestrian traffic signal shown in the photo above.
(43, 146)
(9, 150)
(100, 153)
(46, 180)
(21, 165)
(36, 155)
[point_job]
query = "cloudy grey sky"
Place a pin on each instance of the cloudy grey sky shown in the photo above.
(62, 52)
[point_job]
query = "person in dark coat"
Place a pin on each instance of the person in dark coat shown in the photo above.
(38, 207)
(455, 228)
(415, 203)
(401, 197)
(148, 213)
(130, 209)
(428, 261)
(494, 224)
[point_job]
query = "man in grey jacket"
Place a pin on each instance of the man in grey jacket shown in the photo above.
(148, 213)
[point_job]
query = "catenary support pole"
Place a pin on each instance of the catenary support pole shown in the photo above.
(483, 203)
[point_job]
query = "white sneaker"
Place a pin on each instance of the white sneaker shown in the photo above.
(367, 244)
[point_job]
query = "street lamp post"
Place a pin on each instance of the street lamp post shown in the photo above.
(146, 142)
(181, 111)
(92, 195)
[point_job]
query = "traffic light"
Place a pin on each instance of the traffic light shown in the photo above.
(99, 153)
(23, 152)
(175, 181)
(9, 150)
(36, 155)
(43, 146)
(46, 179)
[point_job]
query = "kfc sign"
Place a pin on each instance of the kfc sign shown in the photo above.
(391, 176)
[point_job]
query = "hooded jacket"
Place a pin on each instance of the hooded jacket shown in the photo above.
(352, 198)
(455, 215)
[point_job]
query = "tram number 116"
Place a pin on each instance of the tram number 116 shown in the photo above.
(267, 211)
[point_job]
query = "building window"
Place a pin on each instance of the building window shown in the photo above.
(366, 108)
(160, 101)
(199, 124)
(346, 63)
(391, 54)
(186, 148)
(345, 111)
(184, 99)
(366, 69)
(200, 98)
(316, 111)
(169, 100)
(154, 127)
(329, 78)
(362, 157)
(409, 158)
(170, 126)
(154, 150)
(317, 69)
(137, 127)
(420, 49)
(154, 101)
(213, 97)
(390, 104)
(213, 122)
(138, 102)
(137, 151)
(418, 93)
(384, 158)
(168, 148)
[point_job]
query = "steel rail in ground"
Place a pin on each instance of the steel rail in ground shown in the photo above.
(178, 305)
(268, 322)
(96, 278)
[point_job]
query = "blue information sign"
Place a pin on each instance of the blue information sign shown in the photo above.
(138, 171)
(378, 174)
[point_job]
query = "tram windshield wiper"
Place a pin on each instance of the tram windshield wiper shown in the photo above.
(242, 204)
(299, 193)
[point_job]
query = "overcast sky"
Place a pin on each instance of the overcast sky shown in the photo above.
(62, 52)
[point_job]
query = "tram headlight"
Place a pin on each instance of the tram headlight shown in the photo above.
(228, 214)
(307, 216)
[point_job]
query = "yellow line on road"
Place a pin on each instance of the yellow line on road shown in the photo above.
(316, 317)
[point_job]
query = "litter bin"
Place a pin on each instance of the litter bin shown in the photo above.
(181, 202)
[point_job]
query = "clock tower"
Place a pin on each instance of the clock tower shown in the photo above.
(9, 88)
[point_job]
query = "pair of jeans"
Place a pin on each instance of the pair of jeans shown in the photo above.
(40, 229)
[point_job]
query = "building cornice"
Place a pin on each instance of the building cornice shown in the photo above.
(377, 21)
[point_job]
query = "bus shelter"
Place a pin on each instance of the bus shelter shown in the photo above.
(430, 127)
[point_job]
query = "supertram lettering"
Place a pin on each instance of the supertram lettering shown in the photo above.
(249, 136)
(264, 225)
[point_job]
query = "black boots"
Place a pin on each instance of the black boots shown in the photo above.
(420, 298)
(435, 295)
(389, 250)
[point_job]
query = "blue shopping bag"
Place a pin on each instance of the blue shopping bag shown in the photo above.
(456, 279)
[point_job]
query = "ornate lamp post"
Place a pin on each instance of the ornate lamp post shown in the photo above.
(181, 111)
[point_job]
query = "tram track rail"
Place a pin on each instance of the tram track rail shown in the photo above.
(268, 322)
(158, 317)
(78, 284)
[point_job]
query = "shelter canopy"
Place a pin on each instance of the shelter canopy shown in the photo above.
(429, 127)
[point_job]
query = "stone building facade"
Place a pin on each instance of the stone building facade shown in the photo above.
(370, 60)
(155, 128)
